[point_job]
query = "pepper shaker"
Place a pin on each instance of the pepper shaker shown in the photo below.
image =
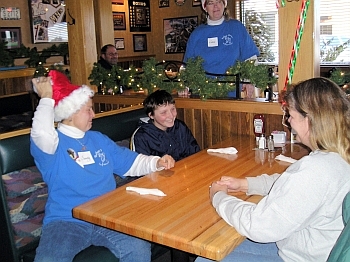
(270, 144)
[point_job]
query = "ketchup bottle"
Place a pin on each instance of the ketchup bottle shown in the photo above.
(259, 126)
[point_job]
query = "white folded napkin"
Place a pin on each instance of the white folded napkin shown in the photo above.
(285, 159)
(228, 150)
(146, 191)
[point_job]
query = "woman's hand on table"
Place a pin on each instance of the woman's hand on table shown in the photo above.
(234, 184)
(166, 161)
(216, 187)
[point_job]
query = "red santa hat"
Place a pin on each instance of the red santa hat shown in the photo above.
(68, 98)
(204, 3)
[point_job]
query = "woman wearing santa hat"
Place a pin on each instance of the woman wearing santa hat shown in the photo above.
(78, 165)
(221, 41)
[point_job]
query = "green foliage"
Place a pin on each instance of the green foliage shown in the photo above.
(5, 57)
(154, 76)
(196, 79)
(41, 70)
(255, 74)
(34, 56)
(340, 77)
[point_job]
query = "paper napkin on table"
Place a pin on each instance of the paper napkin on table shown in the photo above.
(285, 159)
(146, 191)
(227, 150)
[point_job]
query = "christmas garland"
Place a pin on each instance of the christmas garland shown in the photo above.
(154, 75)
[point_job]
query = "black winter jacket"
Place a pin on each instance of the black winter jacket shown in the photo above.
(176, 141)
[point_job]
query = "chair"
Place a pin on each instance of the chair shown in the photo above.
(341, 249)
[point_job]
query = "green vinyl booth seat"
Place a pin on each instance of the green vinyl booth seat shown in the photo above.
(341, 249)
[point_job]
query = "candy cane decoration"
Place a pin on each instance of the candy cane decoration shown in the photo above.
(297, 39)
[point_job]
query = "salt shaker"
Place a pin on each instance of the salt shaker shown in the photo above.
(262, 141)
(270, 144)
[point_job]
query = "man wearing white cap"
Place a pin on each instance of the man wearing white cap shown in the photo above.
(221, 41)
(78, 165)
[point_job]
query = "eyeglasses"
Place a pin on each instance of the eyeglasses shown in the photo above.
(112, 54)
(211, 3)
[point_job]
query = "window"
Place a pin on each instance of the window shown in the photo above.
(334, 32)
(261, 21)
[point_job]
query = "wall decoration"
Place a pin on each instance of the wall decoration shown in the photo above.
(10, 13)
(119, 21)
(118, 2)
(196, 2)
(140, 43)
(48, 21)
(11, 35)
(119, 43)
(139, 16)
(179, 2)
(163, 3)
(176, 33)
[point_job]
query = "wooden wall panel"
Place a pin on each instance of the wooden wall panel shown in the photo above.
(210, 125)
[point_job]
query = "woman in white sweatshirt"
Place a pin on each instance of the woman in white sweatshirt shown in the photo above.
(300, 216)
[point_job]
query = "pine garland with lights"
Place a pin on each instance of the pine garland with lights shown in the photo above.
(201, 83)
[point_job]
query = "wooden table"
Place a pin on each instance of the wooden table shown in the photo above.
(185, 219)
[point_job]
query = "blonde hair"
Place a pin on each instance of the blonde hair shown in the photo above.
(328, 111)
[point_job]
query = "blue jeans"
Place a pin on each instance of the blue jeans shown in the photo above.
(252, 252)
(62, 240)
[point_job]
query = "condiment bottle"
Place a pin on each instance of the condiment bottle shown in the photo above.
(259, 126)
(270, 143)
(262, 141)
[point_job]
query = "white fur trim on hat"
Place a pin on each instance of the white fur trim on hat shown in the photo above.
(204, 1)
(72, 103)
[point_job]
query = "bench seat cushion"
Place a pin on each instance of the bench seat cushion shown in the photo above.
(26, 195)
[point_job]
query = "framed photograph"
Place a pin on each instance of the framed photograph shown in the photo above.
(176, 33)
(48, 21)
(140, 15)
(12, 37)
(119, 21)
(119, 43)
(196, 2)
(140, 43)
(163, 3)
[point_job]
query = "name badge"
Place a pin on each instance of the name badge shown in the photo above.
(85, 158)
(213, 41)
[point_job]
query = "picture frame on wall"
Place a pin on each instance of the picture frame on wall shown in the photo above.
(140, 42)
(118, 2)
(177, 31)
(119, 21)
(139, 16)
(12, 37)
(48, 21)
(163, 3)
(119, 43)
(196, 2)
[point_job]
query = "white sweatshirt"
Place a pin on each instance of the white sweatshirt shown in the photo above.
(301, 210)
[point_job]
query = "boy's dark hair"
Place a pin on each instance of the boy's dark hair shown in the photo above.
(157, 98)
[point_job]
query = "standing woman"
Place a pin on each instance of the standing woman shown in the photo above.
(221, 41)
(300, 216)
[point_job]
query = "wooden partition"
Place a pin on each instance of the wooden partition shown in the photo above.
(212, 121)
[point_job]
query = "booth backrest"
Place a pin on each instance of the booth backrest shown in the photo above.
(16, 163)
